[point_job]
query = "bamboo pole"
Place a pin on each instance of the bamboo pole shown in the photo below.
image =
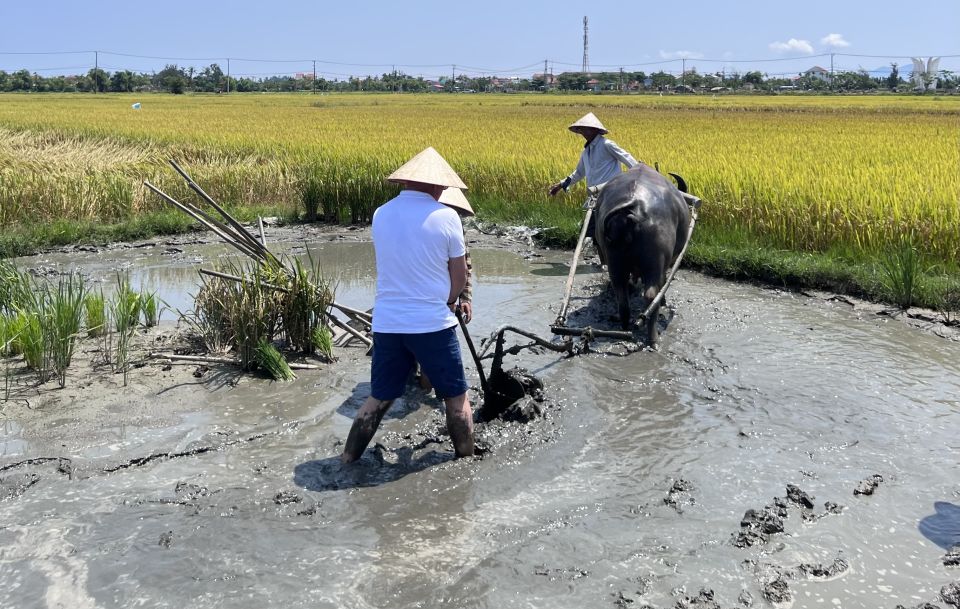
(241, 279)
(238, 228)
(263, 237)
(210, 359)
(200, 218)
(353, 312)
(562, 315)
(356, 333)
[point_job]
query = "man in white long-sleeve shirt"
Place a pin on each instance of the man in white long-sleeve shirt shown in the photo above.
(600, 160)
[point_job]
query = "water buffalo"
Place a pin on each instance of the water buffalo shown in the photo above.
(641, 227)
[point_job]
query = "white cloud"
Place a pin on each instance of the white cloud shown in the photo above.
(834, 40)
(680, 55)
(792, 46)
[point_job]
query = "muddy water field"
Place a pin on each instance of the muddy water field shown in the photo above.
(779, 449)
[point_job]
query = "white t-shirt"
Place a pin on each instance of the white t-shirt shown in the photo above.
(414, 238)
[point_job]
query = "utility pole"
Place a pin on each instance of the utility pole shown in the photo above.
(683, 71)
(454, 77)
(228, 74)
(621, 80)
(546, 83)
(314, 76)
(96, 72)
(831, 70)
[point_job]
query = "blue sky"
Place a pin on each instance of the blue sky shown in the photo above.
(508, 37)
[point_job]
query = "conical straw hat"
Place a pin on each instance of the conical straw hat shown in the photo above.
(428, 167)
(453, 197)
(588, 120)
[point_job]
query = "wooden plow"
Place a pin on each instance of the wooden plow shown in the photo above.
(359, 324)
(559, 326)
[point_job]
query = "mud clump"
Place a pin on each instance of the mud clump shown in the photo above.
(920, 606)
(17, 484)
(570, 574)
(186, 493)
(506, 390)
(799, 497)
(868, 485)
(679, 495)
(952, 557)
(756, 527)
(166, 539)
(286, 498)
(703, 600)
(819, 571)
(832, 508)
(951, 594)
(777, 591)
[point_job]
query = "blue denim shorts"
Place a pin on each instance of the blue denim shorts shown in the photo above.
(394, 356)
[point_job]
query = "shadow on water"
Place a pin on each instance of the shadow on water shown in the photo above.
(561, 269)
(943, 526)
(370, 470)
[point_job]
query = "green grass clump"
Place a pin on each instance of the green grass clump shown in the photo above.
(902, 273)
(95, 307)
(272, 362)
(322, 341)
(150, 308)
(65, 318)
(125, 308)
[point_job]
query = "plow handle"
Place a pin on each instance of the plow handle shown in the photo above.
(562, 316)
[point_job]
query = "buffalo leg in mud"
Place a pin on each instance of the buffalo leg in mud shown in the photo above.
(652, 277)
(620, 281)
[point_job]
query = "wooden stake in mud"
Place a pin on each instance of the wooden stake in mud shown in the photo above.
(562, 316)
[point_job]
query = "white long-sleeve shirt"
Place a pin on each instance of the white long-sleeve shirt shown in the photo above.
(600, 162)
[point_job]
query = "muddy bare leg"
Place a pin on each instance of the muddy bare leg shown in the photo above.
(364, 426)
(460, 424)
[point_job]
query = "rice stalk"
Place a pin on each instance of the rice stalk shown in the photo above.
(322, 340)
(125, 310)
(271, 361)
(150, 308)
(95, 307)
(65, 319)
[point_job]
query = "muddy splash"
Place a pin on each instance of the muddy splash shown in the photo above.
(630, 490)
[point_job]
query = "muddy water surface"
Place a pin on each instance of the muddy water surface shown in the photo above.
(630, 491)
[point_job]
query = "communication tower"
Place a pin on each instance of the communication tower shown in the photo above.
(586, 46)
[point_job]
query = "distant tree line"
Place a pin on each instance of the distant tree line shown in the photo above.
(212, 79)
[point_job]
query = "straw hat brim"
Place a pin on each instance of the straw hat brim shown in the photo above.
(588, 121)
(454, 197)
(427, 167)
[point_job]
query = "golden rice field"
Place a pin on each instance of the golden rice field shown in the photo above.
(803, 173)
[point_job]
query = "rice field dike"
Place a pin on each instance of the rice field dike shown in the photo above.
(856, 194)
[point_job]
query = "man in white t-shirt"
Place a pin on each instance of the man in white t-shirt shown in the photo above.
(421, 272)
